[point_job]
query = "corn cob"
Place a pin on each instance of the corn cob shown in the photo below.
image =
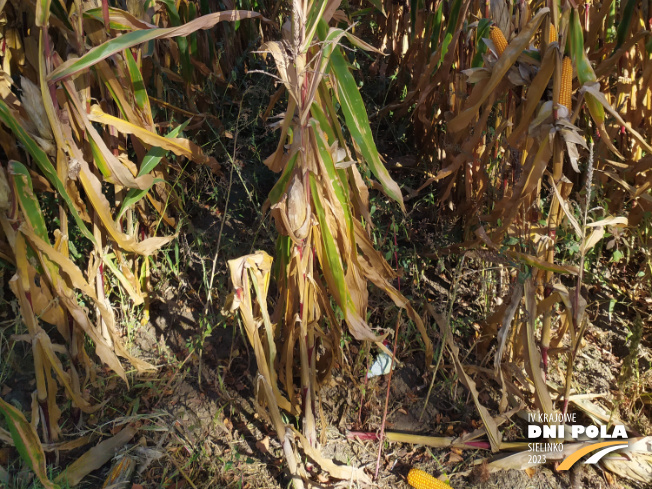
(422, 480)
(498, 38)
(566, 83)
(552, 36)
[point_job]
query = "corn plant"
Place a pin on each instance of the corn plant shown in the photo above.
(545, 136)
(513, 103)
(320, 205)
(83, 131)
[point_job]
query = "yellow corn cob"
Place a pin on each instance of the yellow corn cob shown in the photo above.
(498, 38)
(566, 83)
(552, 36)
(422, 480)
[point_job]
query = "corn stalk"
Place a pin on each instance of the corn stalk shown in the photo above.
(320, 206)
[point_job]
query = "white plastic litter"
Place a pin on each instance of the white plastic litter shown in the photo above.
(381, 366)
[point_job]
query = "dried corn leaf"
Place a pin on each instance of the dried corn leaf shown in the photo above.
(96, 457)
(633, 462)
(179, 146)
(533, 360)
(26, 442)
(500, 69)
(490, 425)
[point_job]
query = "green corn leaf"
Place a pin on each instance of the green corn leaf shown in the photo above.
(182, 42)
(379, 6)
(137, 82)
(28, 201)
(585, 73)
(283, 253)
(134, 38)
(330, 248)
(327, 159)
(31, 209)
(279, 187)
(317, 112)
(99, 158)
(314, 17)
(134, 195)
(625, 23)
(27, 443)
(450, 28)
(42, 12)
(482, 32)
(357, 123)
(192, 15)
(44, 164)
(154, 155)
(119, 20)
(436, 28)
(150, 161)
(60, 12)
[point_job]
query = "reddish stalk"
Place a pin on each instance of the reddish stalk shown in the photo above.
(381, 436)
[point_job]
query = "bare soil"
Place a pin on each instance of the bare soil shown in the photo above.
(217, 432)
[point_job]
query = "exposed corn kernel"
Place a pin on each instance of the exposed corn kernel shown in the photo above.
(553, 36)
(498, 38)
(422, 480)
(566, 83)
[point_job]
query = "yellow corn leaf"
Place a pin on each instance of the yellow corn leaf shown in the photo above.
(110, 166)
(240, 300)
(564, 206)
(66, 265)
(594, 238)
(633, 462)
(179, 146)
(44, 344)
(609, 221)
(93, 189)
(534, 93)
(534, 261)
(126, 278)
(429, 441)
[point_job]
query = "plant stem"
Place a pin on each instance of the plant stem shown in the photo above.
(381, 436)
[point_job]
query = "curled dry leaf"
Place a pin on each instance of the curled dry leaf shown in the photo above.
(179, 146)
(96, 457)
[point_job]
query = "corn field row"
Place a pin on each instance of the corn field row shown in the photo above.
(532, 120)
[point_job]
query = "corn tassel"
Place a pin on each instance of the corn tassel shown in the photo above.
(565, 91)
(498, 38)
(552, 35)
(422, 480)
